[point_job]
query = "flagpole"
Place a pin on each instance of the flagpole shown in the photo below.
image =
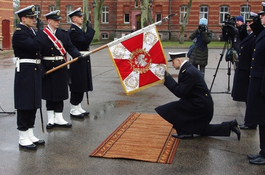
(110, 44)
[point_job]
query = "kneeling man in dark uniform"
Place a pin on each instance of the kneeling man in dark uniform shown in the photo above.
(194, 111)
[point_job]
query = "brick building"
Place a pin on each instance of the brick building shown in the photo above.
(6, 23)
(118, 16)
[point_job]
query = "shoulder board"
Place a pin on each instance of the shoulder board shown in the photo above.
(72, 28)
(183, 71)
(18, 28)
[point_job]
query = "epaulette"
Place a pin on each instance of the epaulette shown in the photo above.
(183, 71)
(18, 28)
(72, 28)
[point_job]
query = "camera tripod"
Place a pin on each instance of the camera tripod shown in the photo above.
(228, 44)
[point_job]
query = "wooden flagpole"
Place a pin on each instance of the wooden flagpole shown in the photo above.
(110, 44)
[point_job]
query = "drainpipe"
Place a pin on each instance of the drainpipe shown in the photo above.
(169, 30)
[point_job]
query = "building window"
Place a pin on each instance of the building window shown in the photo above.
(183, 12)
(69, 9)
(223, 10)
(136, 3)
(37, 11)
(126, 18)
(204, 12)
(105, 14)
(158, 17)
(52, 8)
(104, 35)
(244, 12)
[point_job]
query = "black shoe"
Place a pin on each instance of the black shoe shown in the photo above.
(86, 113)
(67, 125)
(29, 147)
(234, 127)
(39, 142)
(243, 126)
(81, 116)
(183, 136)
(49, 126)
(253, 156)
(258, 161)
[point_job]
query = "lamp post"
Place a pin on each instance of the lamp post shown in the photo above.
(150, 3)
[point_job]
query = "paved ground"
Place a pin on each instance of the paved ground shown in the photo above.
(67, 150)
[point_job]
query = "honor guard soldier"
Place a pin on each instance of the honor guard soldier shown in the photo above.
(55, 42)
(28, 78)
(194, 111)
(80, 71)
(242, 71)
(255, 111)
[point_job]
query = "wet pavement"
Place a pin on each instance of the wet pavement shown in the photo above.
(67, 150)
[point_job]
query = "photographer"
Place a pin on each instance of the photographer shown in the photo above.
(202, 37)
(240, 33)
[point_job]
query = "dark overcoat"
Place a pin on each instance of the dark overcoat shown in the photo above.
(27, 83)
(199, 54)
(242, 72)
(80, 71)
(55, 84)
(256, 94)
(194, 111)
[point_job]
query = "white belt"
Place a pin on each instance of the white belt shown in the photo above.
(84, 52)
(53, 58)
(17, 62)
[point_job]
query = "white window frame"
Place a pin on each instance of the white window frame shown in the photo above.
(136, 3)
(52, 8)
(244, 11)
(182, 11)
(157, 16)
(69, 9)
(105, 15)
(104, 36)
(223, 10)
(204, 12)
(126, 22)
(37, 11)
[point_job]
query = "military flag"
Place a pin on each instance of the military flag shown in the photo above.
(139, 59)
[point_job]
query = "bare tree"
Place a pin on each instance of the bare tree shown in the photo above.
(145, 14)
(183, 26)
(97, 14)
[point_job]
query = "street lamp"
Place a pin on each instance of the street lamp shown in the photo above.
(94, 4)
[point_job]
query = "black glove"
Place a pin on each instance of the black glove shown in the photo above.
(166, 74)
(242, 30)
(80, 57)
(39, 24)
(256, 26)
(88, 24)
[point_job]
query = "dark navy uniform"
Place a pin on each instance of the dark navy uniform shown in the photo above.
(55, 84)
(81, 76)
(255, 112)
(194, 111)
(80, 71)
(28, 78)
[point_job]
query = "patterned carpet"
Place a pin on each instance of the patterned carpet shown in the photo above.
(145, 137)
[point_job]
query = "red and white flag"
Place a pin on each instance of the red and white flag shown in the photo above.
(139, 59)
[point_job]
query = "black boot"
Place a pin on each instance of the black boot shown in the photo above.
(235, 128)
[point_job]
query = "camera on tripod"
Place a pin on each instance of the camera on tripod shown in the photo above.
(228, 29)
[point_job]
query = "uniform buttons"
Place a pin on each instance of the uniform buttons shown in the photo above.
(251, 67)
(254, 50)
(88, 61)
(53, 61)
(52, 55)
(241, 47)
(52, 48)
(37, 53)
(35, 68)
(239, 54)
(206, 95)
(249, 76)
(253, 59)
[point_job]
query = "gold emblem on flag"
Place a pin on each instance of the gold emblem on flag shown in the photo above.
(140, 61)
(119, 51)
(150, 38)
(131, 82)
